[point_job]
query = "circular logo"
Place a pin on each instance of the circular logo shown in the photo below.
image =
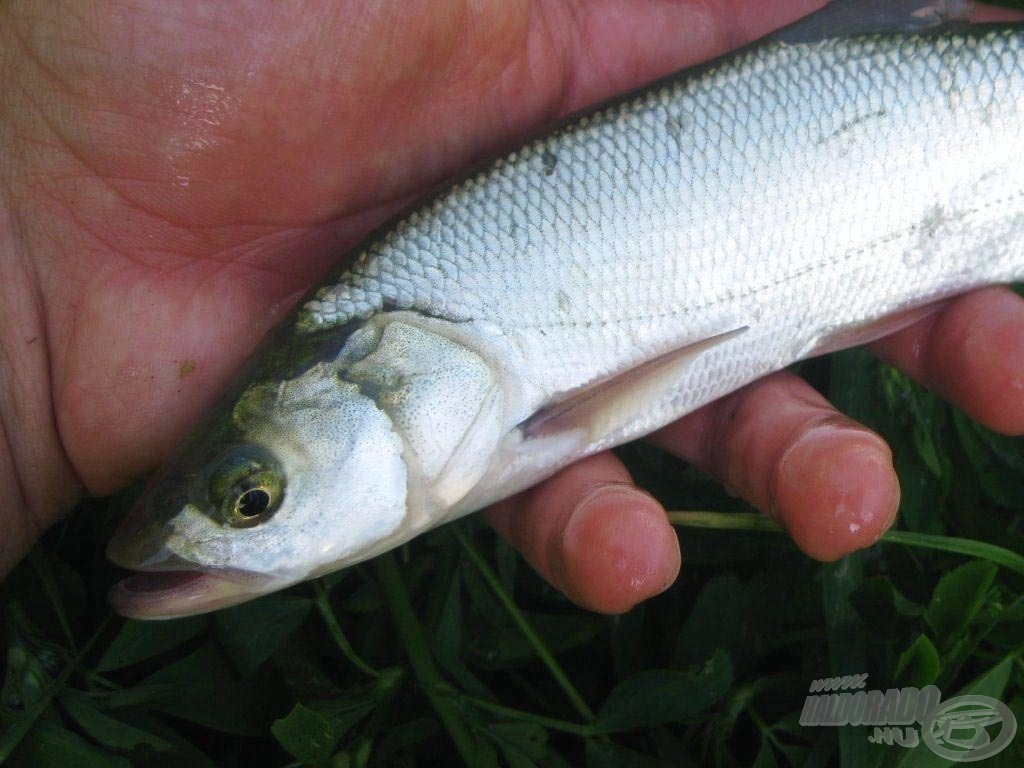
(957, 729)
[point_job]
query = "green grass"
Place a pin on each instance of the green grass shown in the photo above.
(451, 650)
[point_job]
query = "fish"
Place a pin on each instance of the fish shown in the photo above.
(808, 193)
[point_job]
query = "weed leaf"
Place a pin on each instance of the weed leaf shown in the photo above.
(141, 640)
(660, 696)
(958, 597)
(251, 632)
(307, 735)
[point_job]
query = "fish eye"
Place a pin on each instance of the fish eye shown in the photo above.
(246, 488)
(253, 503)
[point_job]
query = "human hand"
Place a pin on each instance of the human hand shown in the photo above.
(173, 177)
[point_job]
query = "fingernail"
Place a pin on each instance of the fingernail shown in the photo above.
(618, 549)
(837, 491)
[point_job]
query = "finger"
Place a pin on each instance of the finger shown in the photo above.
(971, 352)
(652, 38)
(591, 533)
(987, 14)
(779, 444)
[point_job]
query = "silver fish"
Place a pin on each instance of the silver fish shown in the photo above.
(589, 288)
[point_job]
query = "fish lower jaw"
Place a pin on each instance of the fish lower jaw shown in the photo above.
(173, 594)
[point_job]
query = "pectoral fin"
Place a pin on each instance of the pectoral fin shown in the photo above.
(611, 405)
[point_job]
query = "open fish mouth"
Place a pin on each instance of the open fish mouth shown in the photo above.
(169, 594)
(167, 586)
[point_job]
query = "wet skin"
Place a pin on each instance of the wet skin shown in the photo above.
(165, 197)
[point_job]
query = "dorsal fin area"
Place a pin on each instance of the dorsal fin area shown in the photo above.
(851, 18)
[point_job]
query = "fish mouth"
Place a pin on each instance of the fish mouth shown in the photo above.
(180, 591)
(166, 585)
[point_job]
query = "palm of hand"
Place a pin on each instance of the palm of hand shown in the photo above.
(179, 177)
(195, 170)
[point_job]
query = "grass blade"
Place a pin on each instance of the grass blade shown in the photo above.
(743, 521)
(524, 626)
(21, 726)
(419, 656)
(323, 605)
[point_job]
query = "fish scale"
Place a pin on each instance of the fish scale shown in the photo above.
(781, 191)
(631, 266)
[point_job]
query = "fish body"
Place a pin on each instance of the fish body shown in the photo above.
(596, 284)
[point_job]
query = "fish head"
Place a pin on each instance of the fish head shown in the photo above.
(292, 479)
